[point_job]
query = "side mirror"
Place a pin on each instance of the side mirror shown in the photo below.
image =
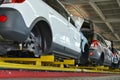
(68, 19)
(109, 44)
(78, 23)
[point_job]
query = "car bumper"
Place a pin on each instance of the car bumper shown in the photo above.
(95, 56)
(14, 28)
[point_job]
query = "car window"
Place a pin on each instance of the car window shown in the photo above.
(101, 40)
(59, 8)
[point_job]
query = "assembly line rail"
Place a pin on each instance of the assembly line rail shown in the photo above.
(49, 63)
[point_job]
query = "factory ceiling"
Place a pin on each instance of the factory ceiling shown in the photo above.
(105, 15)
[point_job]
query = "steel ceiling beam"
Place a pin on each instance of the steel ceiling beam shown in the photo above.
(80, 11)
(81, 1)
(99, 12)
(118, 1)
(117, 44)
(74, 1)
(107, 20)
(112, 20)
(99, 0)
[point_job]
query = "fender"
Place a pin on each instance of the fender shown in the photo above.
(48, 38)
(83, 43)
(36, 21)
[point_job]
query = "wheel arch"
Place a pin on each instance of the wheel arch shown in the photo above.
(38, 20)
(85, 46)
(45, 31)
(84, 56)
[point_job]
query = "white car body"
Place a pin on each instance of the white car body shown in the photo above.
(63, 32)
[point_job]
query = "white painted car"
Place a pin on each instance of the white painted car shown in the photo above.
(42, 26)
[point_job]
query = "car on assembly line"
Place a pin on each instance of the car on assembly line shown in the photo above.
(115, 58)
(119, 58)
(99, 53)
(43, 27)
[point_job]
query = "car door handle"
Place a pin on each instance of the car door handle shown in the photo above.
(51, 13)
(75, 37)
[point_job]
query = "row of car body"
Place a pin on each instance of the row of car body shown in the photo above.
(41, 27)
(116, 58)
(101, 51)
(44, 27)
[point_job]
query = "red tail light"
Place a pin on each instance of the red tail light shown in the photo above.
(91, 53)
(115, 54)
(94, 43)
(3, 18)
(13, 1)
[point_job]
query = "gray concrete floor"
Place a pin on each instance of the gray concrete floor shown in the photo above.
(70, 78)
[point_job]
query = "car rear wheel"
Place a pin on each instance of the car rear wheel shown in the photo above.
(84, 56)
(100, 61)
(34, 42)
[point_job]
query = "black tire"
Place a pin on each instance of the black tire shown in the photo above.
(84, 57)
(100, 61)
(35, 42)
(119, 64)
(115, 66)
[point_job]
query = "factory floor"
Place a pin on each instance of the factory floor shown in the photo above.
(70, 78)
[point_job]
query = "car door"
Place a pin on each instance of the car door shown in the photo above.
(72, 35)
(75, 36)
(106, 51)
(60, 26)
